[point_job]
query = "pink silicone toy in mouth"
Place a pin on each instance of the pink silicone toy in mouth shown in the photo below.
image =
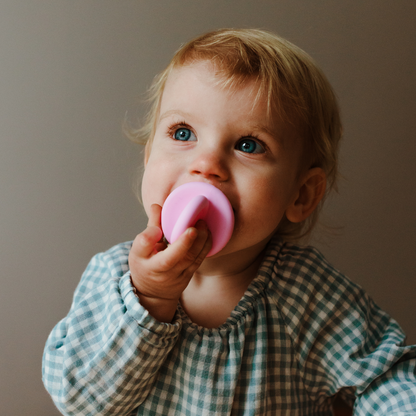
(194, 201)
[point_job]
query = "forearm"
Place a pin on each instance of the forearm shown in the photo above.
(103, 360)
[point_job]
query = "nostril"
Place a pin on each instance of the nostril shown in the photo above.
(209, 165)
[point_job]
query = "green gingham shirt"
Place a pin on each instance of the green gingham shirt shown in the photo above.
(301, 333)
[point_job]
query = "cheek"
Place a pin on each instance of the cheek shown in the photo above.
(264, 204)
(146, 192)
(150, 185)
(156, 183)
(258, 204)
(266, 196)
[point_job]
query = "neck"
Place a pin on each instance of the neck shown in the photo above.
(232, 264)
(219, 284)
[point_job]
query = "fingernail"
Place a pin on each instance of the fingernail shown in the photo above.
(191, 232)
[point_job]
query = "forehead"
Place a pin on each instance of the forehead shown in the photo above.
(199, 85)
(208, 73)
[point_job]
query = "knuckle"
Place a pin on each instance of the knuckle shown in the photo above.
(198, 261)
(144, 239)
(165, 264)
(190, 257)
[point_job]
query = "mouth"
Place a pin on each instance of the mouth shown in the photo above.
(192, 201)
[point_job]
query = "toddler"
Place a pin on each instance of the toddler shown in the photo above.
(264, 327)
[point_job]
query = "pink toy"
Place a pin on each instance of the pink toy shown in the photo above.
(194, 201)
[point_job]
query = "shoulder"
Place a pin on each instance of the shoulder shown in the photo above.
(311, 294)
(303, 270)
(338, 334)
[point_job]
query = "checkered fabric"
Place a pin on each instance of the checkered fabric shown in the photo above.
(301, 334)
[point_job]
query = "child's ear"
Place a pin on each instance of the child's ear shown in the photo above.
(311, 191)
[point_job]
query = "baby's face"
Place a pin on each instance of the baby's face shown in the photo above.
(209, 134)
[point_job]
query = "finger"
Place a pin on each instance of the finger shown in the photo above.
(154, 215)
(194, 243)
(177, 251)
(198, 251)
(207, 245)
(201, 247)
(145, 243)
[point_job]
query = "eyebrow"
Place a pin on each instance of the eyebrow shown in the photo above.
(169, 113)
(258, 127)
(263, 128)
(254, 126)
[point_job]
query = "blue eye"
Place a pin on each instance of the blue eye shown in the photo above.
(184, 135)
(249, 146)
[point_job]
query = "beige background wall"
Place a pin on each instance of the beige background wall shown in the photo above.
(69, 71)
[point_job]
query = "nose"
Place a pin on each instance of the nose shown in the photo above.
(210, 164)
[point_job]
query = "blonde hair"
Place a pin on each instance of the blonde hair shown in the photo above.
(288, 77)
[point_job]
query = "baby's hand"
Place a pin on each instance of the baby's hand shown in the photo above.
(159, 273)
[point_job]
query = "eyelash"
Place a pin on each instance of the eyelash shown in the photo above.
(255, 137)
(174, 127)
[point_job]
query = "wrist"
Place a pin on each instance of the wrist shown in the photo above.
(162, 310)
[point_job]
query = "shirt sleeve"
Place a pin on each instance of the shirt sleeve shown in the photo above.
(344, 341)
(385, 367)
(360, 347)
(104, 356)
